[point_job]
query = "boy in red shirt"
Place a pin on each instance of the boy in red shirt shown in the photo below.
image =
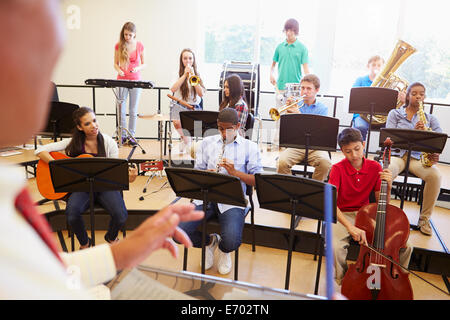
(355, 178)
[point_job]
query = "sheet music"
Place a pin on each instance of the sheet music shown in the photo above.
(137, 286)
(100, 292)
(9, 153)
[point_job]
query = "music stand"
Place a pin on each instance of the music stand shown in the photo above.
(296, 196)
(191, 121)
(60, 119)
(413, 140)
(371, 101)
(89, 175)
(311, 132)
(209, 187)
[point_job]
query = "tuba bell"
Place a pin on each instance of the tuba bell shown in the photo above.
(387, 79)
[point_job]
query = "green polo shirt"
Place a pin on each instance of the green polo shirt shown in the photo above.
(290, 58)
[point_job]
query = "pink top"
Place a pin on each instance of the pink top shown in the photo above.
(134, 60)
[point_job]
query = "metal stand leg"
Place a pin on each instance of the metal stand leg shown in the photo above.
(119, 128)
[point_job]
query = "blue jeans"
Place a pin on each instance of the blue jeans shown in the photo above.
(111, 201)
(231, 226)
(362, 125)
(122, 94)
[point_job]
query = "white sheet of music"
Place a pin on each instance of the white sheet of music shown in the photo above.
(137, 286)
(100, 292)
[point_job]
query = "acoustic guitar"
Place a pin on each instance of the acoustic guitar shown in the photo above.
(44, 179)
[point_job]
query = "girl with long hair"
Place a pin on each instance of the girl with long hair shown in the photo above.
(234, 97)
(128, 62)
(87, 139)
(183, 90)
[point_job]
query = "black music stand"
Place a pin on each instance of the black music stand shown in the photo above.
(296, 196)
(60, 119)
(89, 175)
(311, 132)
(371, 101)
(209, 187)
(191, 121)
(413, 140)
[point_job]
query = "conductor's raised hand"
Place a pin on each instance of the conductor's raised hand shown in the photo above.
(155, 233)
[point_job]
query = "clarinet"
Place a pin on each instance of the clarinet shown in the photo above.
(219, 160)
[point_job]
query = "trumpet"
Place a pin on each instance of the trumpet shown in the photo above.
(275, 113)
(193, 79)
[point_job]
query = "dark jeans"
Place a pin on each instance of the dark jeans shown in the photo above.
(362, 125)
(111, 201)
(231, 226)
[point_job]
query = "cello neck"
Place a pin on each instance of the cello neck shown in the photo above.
(378, 240)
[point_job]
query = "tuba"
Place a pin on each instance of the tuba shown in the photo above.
(387, 79)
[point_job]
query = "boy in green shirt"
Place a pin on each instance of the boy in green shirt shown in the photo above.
(290, 55)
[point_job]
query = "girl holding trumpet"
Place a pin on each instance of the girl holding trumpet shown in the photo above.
(189, 88)
(309, 87)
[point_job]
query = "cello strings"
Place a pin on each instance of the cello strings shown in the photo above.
(406, 269)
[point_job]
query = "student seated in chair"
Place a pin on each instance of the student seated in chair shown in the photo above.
(310, 86)
(227, 153)
(87, 139)
(355, 177)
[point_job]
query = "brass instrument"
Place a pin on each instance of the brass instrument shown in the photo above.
(387, 79)
(425, 158)
(275, 113)
(194, 80)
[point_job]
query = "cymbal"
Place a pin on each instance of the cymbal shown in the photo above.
(156, 117)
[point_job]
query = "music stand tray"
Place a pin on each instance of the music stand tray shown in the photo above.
(311, 132)
(206, 186)
(191, 121)
(296, 196)
(413, 140)
(371, 101)
(89, 175)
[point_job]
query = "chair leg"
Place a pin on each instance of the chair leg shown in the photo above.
(318, 241)
(61, 240)
(72, 241)
(252, 216)
(319, 266)
(236, 263)
(185, 257)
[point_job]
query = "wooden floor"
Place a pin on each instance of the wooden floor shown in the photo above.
(267, 266)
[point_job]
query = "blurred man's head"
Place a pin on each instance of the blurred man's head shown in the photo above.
(35, 38)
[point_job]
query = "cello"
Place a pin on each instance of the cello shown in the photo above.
(373, 277)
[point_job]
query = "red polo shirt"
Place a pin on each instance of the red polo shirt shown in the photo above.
(354, 187)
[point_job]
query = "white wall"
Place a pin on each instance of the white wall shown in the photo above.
(164, 27)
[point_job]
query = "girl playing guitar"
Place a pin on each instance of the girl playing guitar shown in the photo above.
(87, 139)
